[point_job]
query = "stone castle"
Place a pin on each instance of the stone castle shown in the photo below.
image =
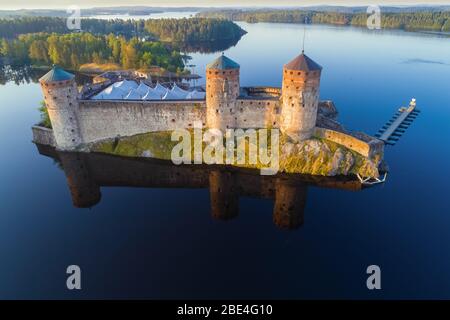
(295, 109)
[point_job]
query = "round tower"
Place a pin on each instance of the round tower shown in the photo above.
(300, 97)
(222, 89)
(60, 95)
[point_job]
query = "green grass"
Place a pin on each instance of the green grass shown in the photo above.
(45, 119)
(157, 143)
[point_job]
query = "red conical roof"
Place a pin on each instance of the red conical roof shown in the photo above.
(302, 63)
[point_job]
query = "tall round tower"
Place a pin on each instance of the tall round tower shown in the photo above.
(300, 97)
(60, 94)
(222, 89)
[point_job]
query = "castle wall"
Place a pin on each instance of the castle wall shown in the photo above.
(43, 136)
(108, 119)
(257, 113)
(367, 149)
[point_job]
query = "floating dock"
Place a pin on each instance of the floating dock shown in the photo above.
(391, 132)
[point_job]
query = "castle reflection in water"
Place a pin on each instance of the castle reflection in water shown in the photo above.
(86, 173)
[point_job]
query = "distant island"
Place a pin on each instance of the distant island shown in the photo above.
(409, 19)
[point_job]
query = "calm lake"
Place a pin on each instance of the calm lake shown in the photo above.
(163, 241)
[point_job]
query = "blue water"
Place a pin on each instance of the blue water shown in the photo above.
(163, 243)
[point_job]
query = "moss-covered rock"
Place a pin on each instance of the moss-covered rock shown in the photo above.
(314, 156)
(326, 158)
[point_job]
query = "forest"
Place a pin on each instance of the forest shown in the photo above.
(74, 49)
(179, 30)
(43, 41)
(411, 21)
(13, 27)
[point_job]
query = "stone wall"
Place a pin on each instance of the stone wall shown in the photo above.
(366, 148)
(42, 135)
(257, 113)
(101, 120)
(262, 91)
(108, 119)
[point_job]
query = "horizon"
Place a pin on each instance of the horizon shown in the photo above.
(86, 4)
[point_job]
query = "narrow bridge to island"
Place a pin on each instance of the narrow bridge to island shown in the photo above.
(391, 132)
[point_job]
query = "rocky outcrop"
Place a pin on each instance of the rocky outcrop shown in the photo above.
(313, 156)
(322, 157)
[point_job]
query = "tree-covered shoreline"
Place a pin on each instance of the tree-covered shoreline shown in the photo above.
(193, 30)
(139, 44)
(75, 49)
(438, 21)
(178, 30)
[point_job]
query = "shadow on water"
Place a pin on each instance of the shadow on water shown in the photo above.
(86, 173)
(208, 46)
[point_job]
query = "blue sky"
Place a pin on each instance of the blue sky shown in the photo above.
(8, 4)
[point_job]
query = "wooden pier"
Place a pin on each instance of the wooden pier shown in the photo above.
(391, 132)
